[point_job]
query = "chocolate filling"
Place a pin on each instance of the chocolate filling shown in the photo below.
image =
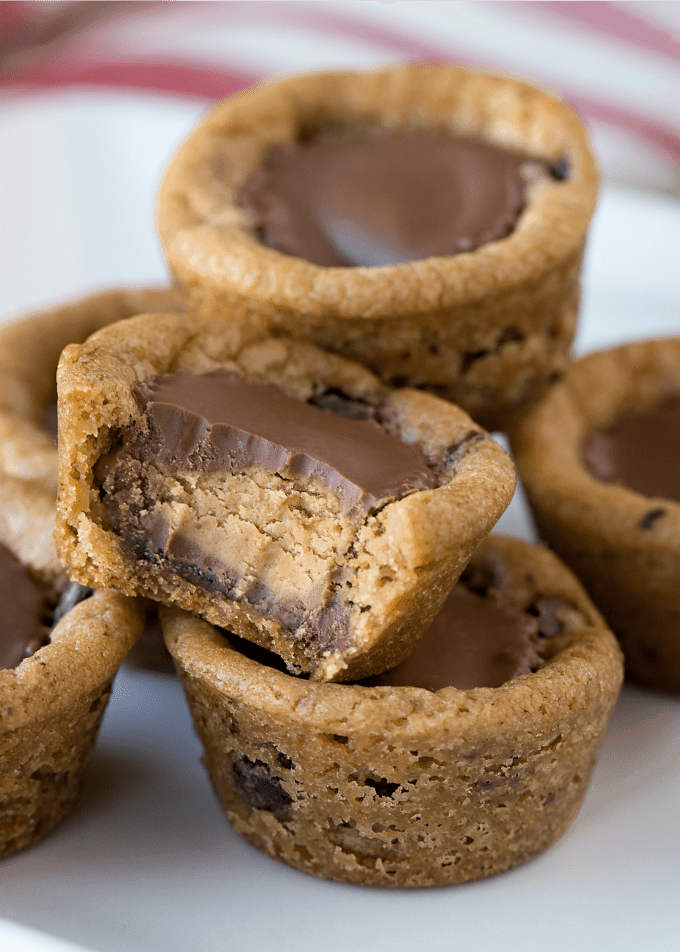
(384, 199)
(221, 423)
(29, 611)
(475, 641)
(641, 452)
(479, 639)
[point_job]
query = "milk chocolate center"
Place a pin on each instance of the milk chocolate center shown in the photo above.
(222, 422)
(474, 642)
(24, 607)
(384, 199)
(641, 452)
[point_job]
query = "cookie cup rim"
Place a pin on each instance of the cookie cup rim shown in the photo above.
(546, 444)
(209, 241)
(86, 649)
(31, 452)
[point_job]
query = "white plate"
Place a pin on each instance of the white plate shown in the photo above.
(147, 862)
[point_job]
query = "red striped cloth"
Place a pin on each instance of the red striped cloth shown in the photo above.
(618, 63)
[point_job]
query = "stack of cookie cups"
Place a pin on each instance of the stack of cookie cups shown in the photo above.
(359, 782)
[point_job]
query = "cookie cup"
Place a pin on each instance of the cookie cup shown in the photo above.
(397, 563)
(625, 547)
(487, 330)
(29, 354)
(399, 786)
(51, 707)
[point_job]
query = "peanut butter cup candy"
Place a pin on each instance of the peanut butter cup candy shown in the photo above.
(452, 767)
(277, 490)
(60, 648)
(600, 461)
(426, 221)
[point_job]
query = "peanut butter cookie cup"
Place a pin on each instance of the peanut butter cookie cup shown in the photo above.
(427, 221)
(58, 657)
(600, 461)
(29, 354)
(395, 785)
(273, 488)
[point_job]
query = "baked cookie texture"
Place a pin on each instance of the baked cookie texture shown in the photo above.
(489, 329)
(400, 786)
(27, 513)
(624, 546)
(382, 577)
(51, 707)
(29, 464)
(29, 354)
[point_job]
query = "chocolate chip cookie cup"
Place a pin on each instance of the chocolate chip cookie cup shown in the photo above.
(402, 786)
(58, 660)
(274, 489)
(29, 354)
(484, 318)
(590, 459)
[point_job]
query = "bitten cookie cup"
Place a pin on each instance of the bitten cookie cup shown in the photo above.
(400, 786)
(488, 329)
(29, 354)
(51, 706)
(277, 558)
(624, 546)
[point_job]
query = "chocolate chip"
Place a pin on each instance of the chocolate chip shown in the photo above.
(548, 612)
(510, 335)
(470, 357)
(341, 404)
(561, 169)
(260, 788)
(648, 520)
(285, 761)
(458, 449)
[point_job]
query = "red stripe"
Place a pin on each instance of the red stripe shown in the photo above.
(209, 83)
(182, 79)
(664, 138)
(608, 18)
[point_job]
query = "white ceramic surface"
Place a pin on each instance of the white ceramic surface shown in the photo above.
(147, 862)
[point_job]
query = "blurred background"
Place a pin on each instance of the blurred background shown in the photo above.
(94, 97)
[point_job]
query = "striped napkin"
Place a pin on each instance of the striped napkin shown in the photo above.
(617, 63)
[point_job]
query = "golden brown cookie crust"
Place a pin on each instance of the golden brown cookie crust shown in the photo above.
(401, 786)
(29, 354)
(629, 562)
(412, 550)
(27, 527)
(487, 330)
(51, 705)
